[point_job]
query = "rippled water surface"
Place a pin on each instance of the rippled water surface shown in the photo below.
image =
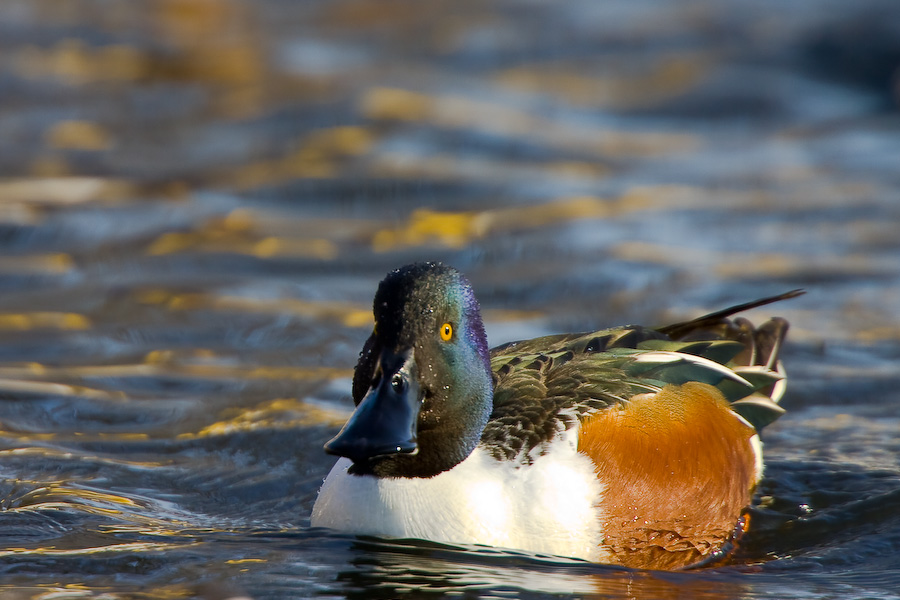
(198, 198)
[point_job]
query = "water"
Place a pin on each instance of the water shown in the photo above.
(200, 196)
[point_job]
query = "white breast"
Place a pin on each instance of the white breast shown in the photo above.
(550, 506)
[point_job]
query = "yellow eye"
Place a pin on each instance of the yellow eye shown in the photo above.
(446, 332)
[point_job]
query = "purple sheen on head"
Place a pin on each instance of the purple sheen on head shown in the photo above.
(476, 333)
(415, 287)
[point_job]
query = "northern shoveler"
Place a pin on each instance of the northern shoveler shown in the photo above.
(631, 445)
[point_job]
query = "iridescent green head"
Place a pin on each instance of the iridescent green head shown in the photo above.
(423, 385)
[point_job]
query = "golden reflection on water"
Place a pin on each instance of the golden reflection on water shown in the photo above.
(320, 154)
(455, 230)
(675, 74)
(158, 362)
(281, 413)
(140, 514)
(57, 495)
(460, 112)
(27, 379)
(240, 233)
(38, 192)
(79, 135)
(458, 229)
(106, 549)
(350, 315)
(268, 247)
(76, 63)
(43, 320)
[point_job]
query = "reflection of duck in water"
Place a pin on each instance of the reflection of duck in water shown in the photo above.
(629, 445)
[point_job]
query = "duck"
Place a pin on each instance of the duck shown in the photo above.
(633, 446)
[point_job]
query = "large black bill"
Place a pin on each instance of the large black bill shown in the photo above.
(385, 420)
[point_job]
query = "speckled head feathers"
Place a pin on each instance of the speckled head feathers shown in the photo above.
(419, 297)
(429, 343)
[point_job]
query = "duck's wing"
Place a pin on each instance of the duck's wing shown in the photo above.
(546, 385)
(539, 395)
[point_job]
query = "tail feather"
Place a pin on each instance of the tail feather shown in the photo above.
(758, 361)
(678, 331)
(769, 338)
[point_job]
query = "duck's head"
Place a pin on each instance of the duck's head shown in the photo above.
(423, 387)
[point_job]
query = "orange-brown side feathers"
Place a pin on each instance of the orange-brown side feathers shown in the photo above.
(678, 468)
